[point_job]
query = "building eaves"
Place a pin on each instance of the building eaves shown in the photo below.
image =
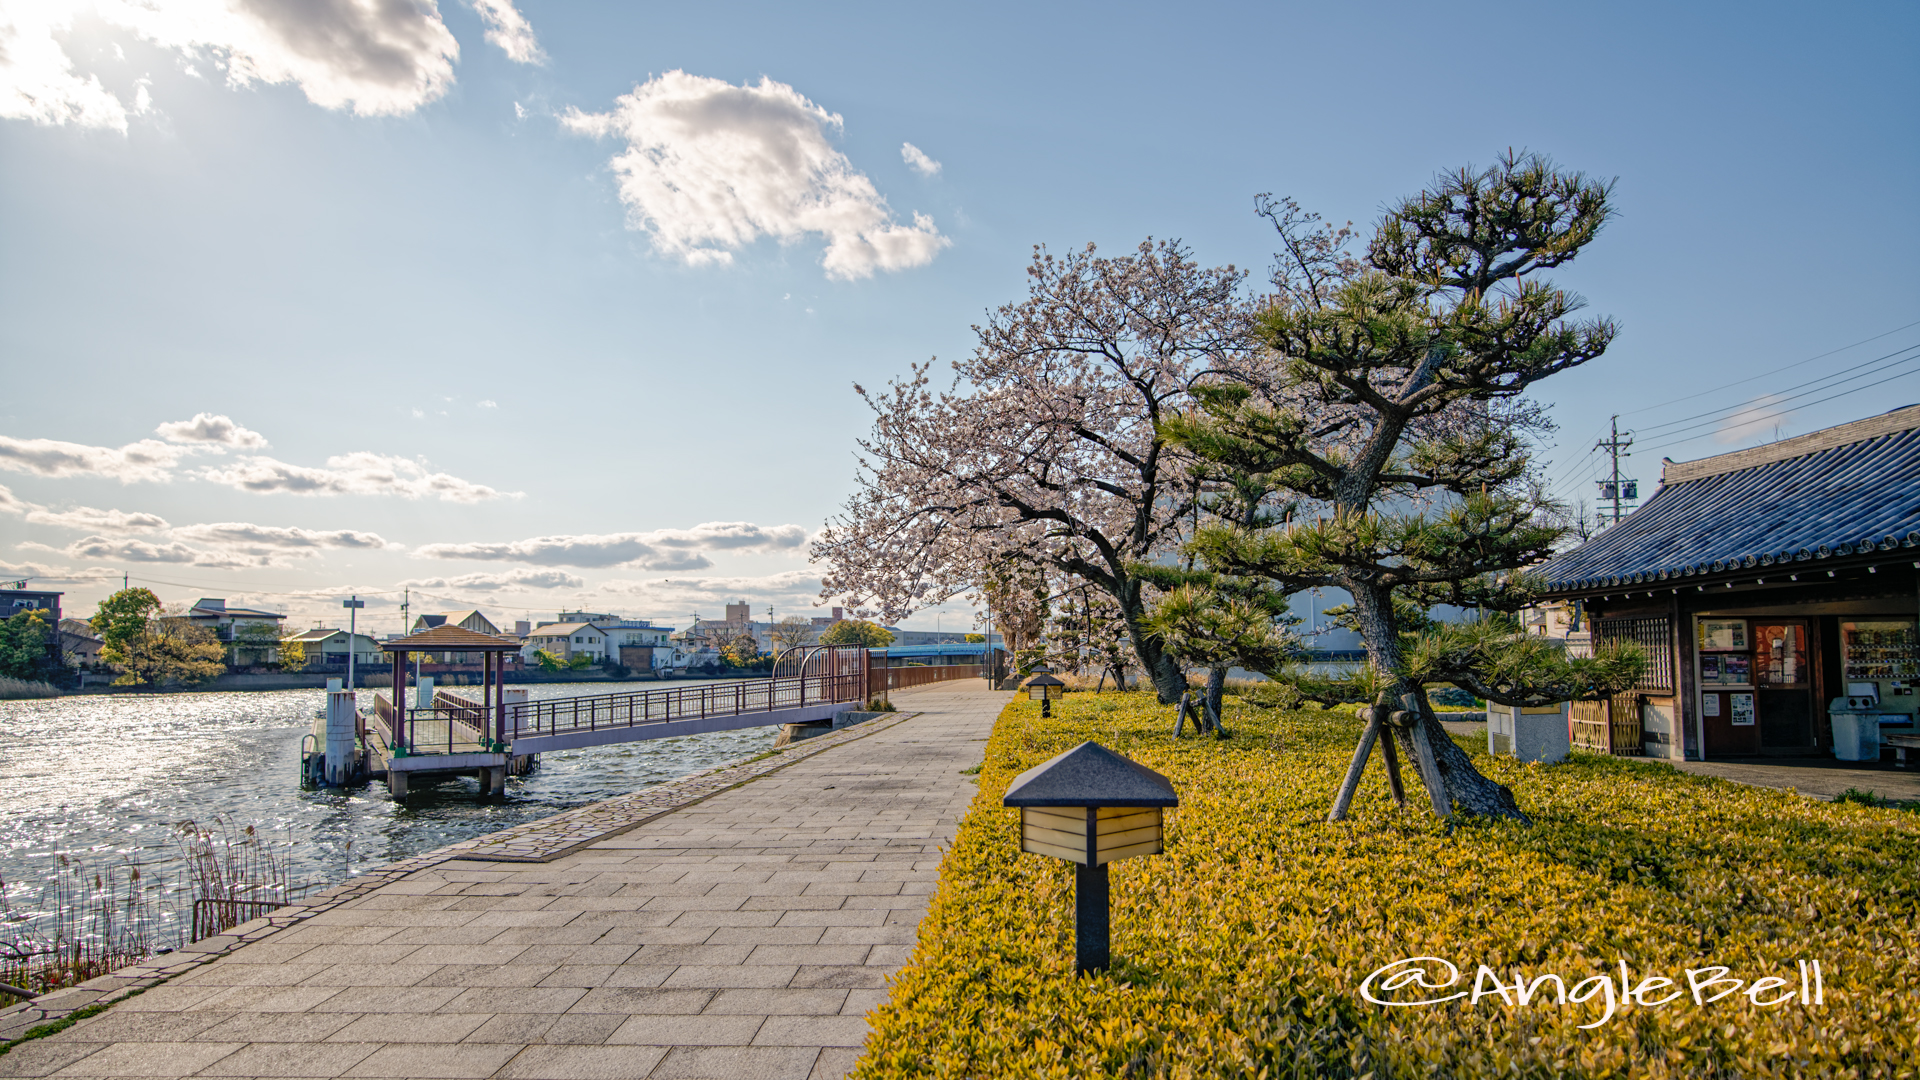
(1839, 499)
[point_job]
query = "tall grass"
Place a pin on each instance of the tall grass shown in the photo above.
(83, 921)
(236, 875)
(21, 689)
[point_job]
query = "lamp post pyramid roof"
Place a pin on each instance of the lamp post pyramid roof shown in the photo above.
(1090, 775)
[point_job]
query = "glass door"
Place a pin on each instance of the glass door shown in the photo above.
(1782, 684)
(1724, 670)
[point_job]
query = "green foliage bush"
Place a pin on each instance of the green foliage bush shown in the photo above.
(1240, 951)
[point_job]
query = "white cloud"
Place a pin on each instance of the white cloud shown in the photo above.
(711, 167)
(215, 430)
(791, 591)
(37, 80)
(510, 30)
(14, 504)
(84, 518)
(662, 549)
(918, 160)
(105, 549)
(148, 459)
(489, 403)
(241, 535)
(375, 57)
(518, 578)
(91, 519)
(359, 473)
(1757, 420)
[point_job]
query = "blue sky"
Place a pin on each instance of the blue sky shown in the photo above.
(405, 267)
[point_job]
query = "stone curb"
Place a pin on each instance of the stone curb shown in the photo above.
(536, 842)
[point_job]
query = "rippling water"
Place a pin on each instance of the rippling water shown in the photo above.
(107, 778)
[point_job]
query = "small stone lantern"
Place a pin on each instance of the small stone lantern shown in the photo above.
(1044, 688)
(1090, 806)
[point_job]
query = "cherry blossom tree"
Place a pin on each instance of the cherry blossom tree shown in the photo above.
(1046, 446)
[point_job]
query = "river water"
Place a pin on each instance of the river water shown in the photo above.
(105, 781)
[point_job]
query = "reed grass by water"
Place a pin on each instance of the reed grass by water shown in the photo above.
(23, 690)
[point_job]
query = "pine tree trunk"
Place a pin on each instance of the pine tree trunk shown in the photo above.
(1458, 784)
(1216, 694)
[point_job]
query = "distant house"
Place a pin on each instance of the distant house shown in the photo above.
(15, 601)
(79, 645)
(238, 624)
(466, 620)
(470, 619)
(327, 648)
(566, 640)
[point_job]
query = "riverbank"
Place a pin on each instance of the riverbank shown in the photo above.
(103, 781)
(744, 934)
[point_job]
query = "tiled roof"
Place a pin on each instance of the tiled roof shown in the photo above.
(451, 639)
(1848, 490)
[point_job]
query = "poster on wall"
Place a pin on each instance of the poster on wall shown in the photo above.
(1723, 634)
(1742, 709)
(1736, 670)
(1710, 670)
(1710, 705)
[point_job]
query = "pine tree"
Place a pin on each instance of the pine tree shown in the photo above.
(1390, 407)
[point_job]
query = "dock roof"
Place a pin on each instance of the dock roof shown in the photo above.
(450, 639)
(1853, 489)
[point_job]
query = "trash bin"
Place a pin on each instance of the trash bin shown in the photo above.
(1529, 734)
(1856, 733)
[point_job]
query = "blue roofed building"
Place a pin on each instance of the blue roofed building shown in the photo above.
(1774, 590)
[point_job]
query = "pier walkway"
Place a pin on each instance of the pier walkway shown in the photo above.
(744, 935)
(486, 735)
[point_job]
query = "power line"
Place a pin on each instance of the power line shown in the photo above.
(1780, 397)
(1764, 374)
(1571, 471)
(1805, 405)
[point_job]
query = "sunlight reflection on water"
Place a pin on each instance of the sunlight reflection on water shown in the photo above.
(105, 778)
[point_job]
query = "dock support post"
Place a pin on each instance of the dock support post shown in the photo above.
(343, 756)
(397, 784)
(493, 781)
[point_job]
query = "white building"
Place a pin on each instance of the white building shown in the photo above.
(634, 643)
(327, 649)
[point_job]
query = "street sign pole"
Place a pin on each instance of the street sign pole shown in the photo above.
(353, 607)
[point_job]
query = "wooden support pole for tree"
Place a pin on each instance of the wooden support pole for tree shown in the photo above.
(1352, 782)
(1394, 786)
(1430, 769)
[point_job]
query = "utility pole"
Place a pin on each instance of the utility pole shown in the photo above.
(1617, 489)
(353, 607)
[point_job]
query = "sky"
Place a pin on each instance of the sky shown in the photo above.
(535, 306)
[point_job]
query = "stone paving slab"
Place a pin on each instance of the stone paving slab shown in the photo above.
(746, 932)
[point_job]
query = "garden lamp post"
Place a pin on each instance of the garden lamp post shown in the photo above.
(1090, 806)
(1043, 688)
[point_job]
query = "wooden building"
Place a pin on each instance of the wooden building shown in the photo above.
(1762, 584)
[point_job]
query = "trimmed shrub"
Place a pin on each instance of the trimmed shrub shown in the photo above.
(1241, 951)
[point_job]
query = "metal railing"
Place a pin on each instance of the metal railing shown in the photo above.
(217, 916)
(902, 678)
(459, 727)
(816, 675)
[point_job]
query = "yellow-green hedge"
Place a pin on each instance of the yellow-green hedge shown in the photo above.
(1240, 951)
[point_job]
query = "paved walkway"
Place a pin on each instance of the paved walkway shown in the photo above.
(744, 936)
(1819, 778)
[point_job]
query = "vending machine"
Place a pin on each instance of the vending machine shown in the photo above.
(1878, 660)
